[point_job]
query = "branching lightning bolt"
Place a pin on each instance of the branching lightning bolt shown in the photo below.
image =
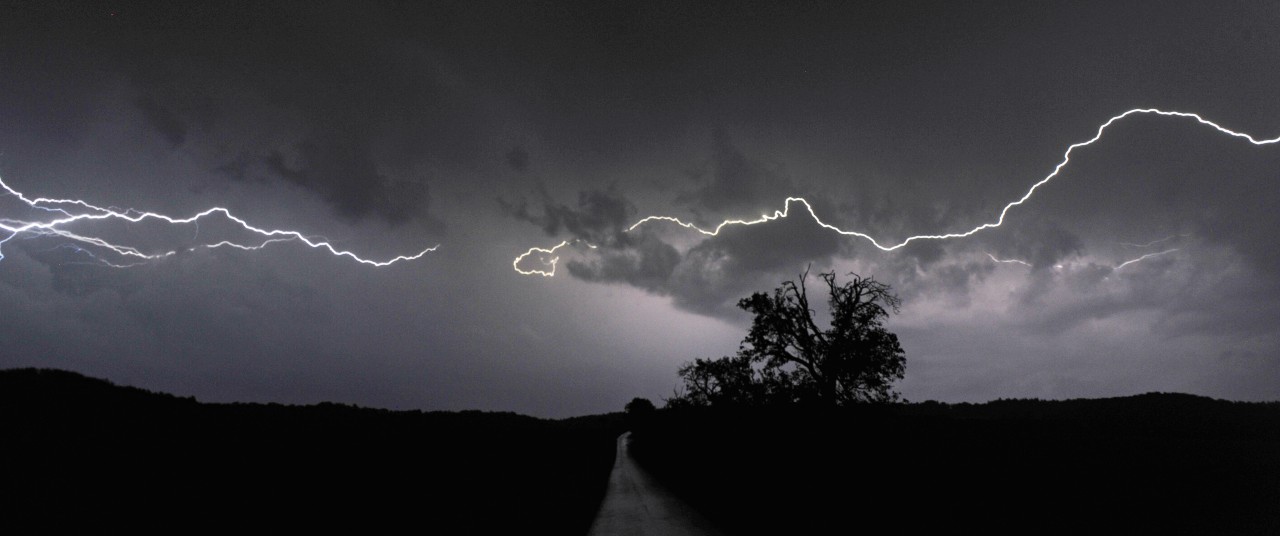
(786, 209)
(76, 210)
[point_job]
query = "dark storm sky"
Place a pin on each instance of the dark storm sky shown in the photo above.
(491, 128)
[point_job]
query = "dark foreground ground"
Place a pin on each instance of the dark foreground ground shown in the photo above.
(80, 453)
(1149, 464)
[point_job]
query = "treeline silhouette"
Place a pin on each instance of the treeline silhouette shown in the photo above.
(1147, 464)
(83, 455)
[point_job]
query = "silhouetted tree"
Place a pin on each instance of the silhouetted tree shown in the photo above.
(787, 358)
(640, 406)
(639, 412)
(728, 380)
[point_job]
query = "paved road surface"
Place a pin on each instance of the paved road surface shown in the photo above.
(636, 504)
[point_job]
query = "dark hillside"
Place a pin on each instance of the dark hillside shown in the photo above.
(83, 453)
(1148, 464)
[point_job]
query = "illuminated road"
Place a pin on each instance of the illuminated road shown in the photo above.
(635, 504)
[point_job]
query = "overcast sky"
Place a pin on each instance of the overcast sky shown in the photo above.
(492, 128)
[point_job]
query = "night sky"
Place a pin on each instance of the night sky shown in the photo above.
(488, 129)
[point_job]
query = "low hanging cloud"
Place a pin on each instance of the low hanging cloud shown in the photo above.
(709, 275)
(599, 221)
(599, 217)
(1065, 263)
(641, 260)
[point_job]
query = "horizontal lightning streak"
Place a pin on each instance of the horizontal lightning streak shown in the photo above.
(1117, 267)
(1145, 257)
(1008, 261)
(78, 210)
(786, 210)
(1154, 242)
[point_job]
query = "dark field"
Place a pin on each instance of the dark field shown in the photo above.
(83, 454)
(1149, 464)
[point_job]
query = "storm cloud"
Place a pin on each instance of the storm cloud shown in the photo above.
(1148, 263)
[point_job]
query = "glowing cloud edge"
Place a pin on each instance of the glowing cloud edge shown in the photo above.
(786, 208)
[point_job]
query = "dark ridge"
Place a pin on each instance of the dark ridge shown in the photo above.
(61, 387)
(84, 455)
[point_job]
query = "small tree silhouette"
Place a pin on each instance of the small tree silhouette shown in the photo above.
(787, 358)
(639, 411)
(640, 406)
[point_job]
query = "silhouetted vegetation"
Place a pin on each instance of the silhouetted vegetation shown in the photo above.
(640, 406)
(787, 359)
(82, 455)
(1148, 464)
(639, 411)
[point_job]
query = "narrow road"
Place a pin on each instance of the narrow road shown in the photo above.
(635, 504)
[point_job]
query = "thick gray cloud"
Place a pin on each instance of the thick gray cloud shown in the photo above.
(600, 217)
(389, 127)
(645, 262)
(733, 184)
(263, 91)
(711, 275)
(343, 172)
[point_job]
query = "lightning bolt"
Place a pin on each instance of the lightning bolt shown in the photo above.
(1008, 261)
(70, 211)
(545, 251)
(1154, 242)
(1145, 257)
(1066, 159)
(1117, 267)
